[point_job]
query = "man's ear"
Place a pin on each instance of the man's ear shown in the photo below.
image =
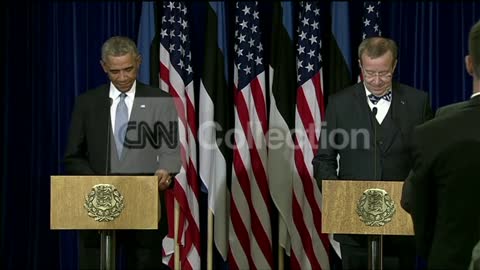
(104, 66)
(139, 60)
(469, 64)
(394, 66)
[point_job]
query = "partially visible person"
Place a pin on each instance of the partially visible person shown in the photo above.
(451, 108)
(105, 122)
(443, 189)
(388, 111)
(475, 261)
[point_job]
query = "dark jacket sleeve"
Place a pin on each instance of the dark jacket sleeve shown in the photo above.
(406, 201)
(75, 160)
(420, 198)
(325, 162)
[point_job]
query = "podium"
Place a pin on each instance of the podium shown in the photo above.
(365, 207)
(104, 203)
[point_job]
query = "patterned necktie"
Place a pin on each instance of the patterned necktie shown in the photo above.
(375, 99)
(121, 120)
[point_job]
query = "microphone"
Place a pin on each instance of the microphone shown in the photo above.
(107, 237)
(107, 154)
(374, 111)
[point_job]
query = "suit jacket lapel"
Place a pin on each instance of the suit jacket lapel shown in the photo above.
(105, 130)
(138, 104)
(399, 115)
(363, 112)
(103, 109)
(137, 115)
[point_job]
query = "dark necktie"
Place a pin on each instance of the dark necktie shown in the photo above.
(121, 120)
(375, 99)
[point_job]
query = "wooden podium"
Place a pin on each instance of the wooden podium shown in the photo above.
(104, 203)
(365, 207)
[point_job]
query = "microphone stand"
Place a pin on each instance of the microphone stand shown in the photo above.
(107, 249)
(107, 237)
(375, 242)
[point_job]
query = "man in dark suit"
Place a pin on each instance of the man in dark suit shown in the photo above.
(454, 107)
(451, 108)
(368, 125)
(443, 188)
(106, 138)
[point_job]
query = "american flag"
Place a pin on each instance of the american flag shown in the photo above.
(370, 22)
(176, 77)
(309, 246)
(250, 233)
(371, 26)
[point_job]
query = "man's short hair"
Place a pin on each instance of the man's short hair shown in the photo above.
(118, 46)
(375, 47)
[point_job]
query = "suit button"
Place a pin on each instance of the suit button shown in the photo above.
(380, 142)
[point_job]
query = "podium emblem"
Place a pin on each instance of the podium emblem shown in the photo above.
(375, 207)
(104, 203)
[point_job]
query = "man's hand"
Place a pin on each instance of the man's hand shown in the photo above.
(164, 179)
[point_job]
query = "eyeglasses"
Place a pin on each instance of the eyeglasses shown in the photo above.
(371, 75)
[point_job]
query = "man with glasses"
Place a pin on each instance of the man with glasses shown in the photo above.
(368, 126)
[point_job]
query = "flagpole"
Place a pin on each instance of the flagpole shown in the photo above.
(281, 259)
(176, 254)
(210, 241)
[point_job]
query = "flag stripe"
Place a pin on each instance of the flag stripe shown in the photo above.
(308, 248)
(239, 225)
(259, 174)
(341, 22)
(214, 119)
(259, 102)
(309, 188)
(249, 193)
(146, 34)
(303, 231)
(318, 83)
(306, 115)
(176, 77)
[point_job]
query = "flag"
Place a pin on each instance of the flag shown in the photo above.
(146, 34)
(215, 119)
(282, 85)
(310, 247)
(176, 77)
(338, 63)
(371, 23)
(341, 30)
(250, 230)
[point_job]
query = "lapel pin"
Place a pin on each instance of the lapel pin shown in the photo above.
(142, 106)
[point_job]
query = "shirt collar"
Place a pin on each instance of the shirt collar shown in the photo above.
(115, 93)
(368, 92)
(475, 94)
